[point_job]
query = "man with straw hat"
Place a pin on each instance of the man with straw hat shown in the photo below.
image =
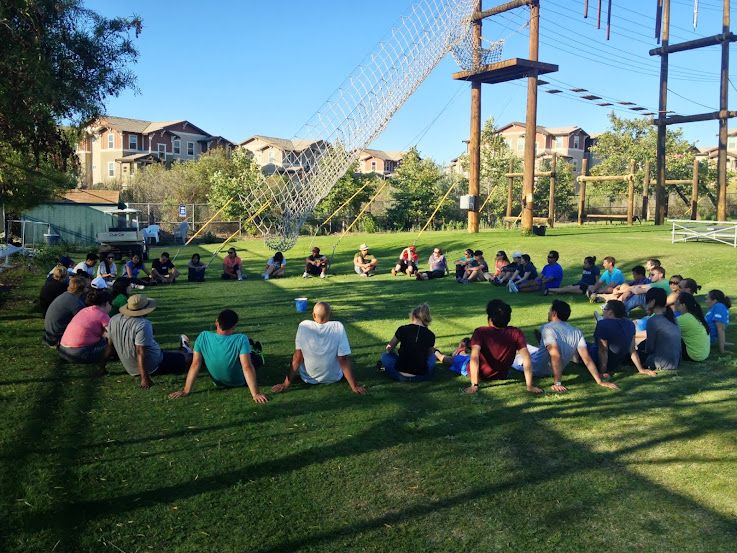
(364, 263)
(132, 336)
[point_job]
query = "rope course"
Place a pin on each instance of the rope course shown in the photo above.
(354, 116)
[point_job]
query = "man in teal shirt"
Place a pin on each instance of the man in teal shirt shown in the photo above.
(227, 357)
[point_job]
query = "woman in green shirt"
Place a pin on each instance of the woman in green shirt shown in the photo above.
(695, 343)
(121, 290)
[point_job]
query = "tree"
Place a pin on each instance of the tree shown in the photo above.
(345, 187)
(58, 63)
(242, 176)
(416, 191)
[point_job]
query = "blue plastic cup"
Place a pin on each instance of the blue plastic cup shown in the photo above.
(300, 304)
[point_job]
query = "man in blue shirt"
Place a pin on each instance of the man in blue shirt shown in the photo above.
(227, 357)
(550, 277)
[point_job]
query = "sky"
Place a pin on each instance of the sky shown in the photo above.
(237, 68)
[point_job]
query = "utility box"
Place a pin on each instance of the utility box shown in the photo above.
(470, 203)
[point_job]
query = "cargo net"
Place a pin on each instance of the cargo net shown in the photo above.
(470, 57)
(333, 139)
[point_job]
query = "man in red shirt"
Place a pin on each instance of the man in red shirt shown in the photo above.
(494, 347)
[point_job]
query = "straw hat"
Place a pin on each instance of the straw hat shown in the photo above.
(138, 306)
(363, 246)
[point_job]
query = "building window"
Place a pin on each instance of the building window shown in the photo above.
(161, 150)
(373, 167)
(111, 169)
(575, 165)
(521, 144)
(133, 142)
(508, 143)
(271, 156)
(204, 147)
(576, 145)
(176, 147)
(110, 141)
(190, 149)
(732, 142)
(558, 142)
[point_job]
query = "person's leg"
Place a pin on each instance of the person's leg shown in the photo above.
(684, 352)
(174, 362)
(460, 269)
(271, 269)
(279, 272)
(634, 301)
(84, 355)
(358, 270)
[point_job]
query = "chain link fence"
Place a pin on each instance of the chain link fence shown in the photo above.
(170, 215)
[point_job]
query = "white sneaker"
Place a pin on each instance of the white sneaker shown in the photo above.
(263, 275)
(240, 278)
(184, 343)
(138, 287)
(305, 275)
(513, 287)
(322, 275)
(598, 316)
(266, 277)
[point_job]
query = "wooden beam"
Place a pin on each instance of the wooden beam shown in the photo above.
(479, 15)
(605, 178)
(723, 99)
(693, 44)
(474, 157)
(528, 183)
(677, 119)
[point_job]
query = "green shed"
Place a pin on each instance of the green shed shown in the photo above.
(77, 216)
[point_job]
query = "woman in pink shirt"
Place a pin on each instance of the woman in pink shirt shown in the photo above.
(85, 339)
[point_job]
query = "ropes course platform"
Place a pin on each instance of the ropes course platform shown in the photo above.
(507, 70)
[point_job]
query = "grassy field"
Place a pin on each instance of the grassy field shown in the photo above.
(96, 464)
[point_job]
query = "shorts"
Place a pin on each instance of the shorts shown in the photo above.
(313, 269)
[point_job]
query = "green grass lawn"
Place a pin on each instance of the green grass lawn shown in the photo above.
(96, 464)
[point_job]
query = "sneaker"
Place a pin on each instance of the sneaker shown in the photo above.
(263, 275)
(598, 316)
(593, 298)
(240, 278)
(546, 292)
(266, 277)
(465, 281)
(379, 365)
(322, 275)
(184, 343)
(514, 288)
(364, 274)
(305, 275)
(394, 272)
(138, 287)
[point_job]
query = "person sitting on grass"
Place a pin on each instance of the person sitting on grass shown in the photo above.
(438, 266)
(661, 350)
(321, 354)
(364, 263)
(695, 343)
(458, 362)
(131, 336)
(718, 318)
(559, 344)
(407, 262)
(232, 266)
(53, 288)
(275, 266)
(550, 277)
(509, 270)
(463, 262)
(85, 338)
(316, 264)
(589, 277)
(133, 268)
(495, 347)
(523, 276)
(417, 355)
(122, 289)
(614, 340)
(608, 280)
(163, 270)
(501, 260)
(634, 296)
(476, 270)
(638, 279)
(63, 309)
(86, 268)
(226, 357)
(107, 268)
(196, 269)
(66, 262)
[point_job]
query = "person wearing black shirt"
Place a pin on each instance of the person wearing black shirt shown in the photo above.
(417, 355)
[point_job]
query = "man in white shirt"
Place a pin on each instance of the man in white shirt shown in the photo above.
(87, 267)
(321, 353)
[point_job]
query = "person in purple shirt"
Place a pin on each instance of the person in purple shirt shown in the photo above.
(550, 276)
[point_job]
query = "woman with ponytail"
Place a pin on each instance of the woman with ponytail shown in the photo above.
(695, 343)
(662, 348)
(718, 317)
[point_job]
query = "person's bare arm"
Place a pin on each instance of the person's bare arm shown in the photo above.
(636, 361)
(602, 350)
(557, 364)
(297, 360)
(250, 374)
(105, 357)
(527, 366)
(586, 358)
(722, 337)
(194, 370)
(345, 365)
(390, 347)
(145, 378)
(473, 370)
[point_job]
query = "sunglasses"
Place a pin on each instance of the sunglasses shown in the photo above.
(606, 309)
(676, 282)
(551, 257)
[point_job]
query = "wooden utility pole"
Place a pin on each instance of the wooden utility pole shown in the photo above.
(695, 192)
(582, 191)
(528, 181)
(725, 38)
(551, 198)
(474, 155)
(646, 193)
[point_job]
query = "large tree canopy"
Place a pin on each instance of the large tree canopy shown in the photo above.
(58, 63)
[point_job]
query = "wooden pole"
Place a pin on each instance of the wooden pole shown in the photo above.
(531, 131)
(551, 200)
(582, 192)
(695, 191)
(723, 97)
(631, 194)
(510, 192)
(474, 154)
(662, 111)
(646, 193)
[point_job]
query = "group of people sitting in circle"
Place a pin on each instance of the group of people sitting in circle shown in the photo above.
(92, 315)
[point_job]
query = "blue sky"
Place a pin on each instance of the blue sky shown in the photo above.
(239, 68)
